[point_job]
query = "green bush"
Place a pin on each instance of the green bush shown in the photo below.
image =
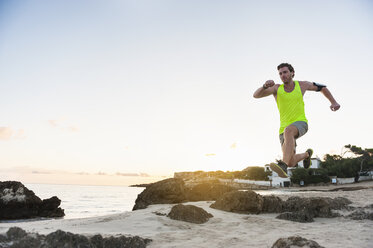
(255, 173)
(341, 167)
(309, 176)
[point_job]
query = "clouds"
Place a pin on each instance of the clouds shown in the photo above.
(7, 133)
(61, 125)
(210, 154)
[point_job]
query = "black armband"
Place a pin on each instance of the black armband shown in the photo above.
(319, 86)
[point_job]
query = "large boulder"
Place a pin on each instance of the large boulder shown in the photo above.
(168, 191)
(189, 213)
(207, 191)
(302, 216)
(18, 202)
(49, 208)
(316, 206)
(245, 202)
(18, 238)
(296, 242)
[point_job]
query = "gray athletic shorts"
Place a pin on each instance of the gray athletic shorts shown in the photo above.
(302, 130)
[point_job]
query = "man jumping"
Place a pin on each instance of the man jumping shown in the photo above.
(293, 121)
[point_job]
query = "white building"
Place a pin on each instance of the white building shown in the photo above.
(277, 181)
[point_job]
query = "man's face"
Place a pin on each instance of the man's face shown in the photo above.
(285, 75)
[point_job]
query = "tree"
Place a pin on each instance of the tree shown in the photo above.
(364, 155)
(255, 173)
(342, 166)
(309, 176)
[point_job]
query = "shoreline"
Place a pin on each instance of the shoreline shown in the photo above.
(225, 228)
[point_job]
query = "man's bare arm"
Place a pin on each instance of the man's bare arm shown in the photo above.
(315, 87)
(267, 89)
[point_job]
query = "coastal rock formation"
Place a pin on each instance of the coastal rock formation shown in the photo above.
(245, 202)
(317, 206)
(296, 242)
(272, 204)
(174, 190)
(298, 216)
(305, 209)
(17, 238)
(18, 202)
(299, 209)
(207, 191)
(361, 215)
(167, 191)
(189, 213)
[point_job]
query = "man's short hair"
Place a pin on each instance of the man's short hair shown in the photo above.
(289, 66)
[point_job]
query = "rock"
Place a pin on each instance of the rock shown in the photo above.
(168, 191)
(361, 215)
(246, 202)
(174, 190)
(49, 208)
(295, 242)
(272, 204)
(125, 242)
(60, 238)
(302, 216)
(189, 213)
(18, 202)
(18, 238)
(28, 241)
(3, 239)
(316, 206)
(15, 233)
(97, 240)
(207, 191)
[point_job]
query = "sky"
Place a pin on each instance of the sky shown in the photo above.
(144, 89)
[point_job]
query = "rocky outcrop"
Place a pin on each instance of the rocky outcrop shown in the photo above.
(167, 191)
(306, 209)
(296, 242)
(18, 238)
(272, 204)
(246, 202)
(316, 206)
(298, 216)
(207, 191)
(189, 213)
(300, 209)
(294, 209)
(18, 202)
(174, 190)
(360, 214)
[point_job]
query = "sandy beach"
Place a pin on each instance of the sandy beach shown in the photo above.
(225, 229)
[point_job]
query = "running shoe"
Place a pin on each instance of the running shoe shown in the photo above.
(307, 161)
(280, 168)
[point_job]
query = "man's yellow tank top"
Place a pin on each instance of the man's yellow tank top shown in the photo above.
(290, 105)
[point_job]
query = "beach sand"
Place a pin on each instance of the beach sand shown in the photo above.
(225, 229)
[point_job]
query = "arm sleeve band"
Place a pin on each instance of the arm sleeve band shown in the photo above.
(319, 86)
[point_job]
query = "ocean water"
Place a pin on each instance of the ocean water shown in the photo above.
(82, 201)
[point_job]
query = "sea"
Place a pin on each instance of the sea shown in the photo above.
(83, 201)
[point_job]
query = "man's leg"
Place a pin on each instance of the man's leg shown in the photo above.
(288, 148)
